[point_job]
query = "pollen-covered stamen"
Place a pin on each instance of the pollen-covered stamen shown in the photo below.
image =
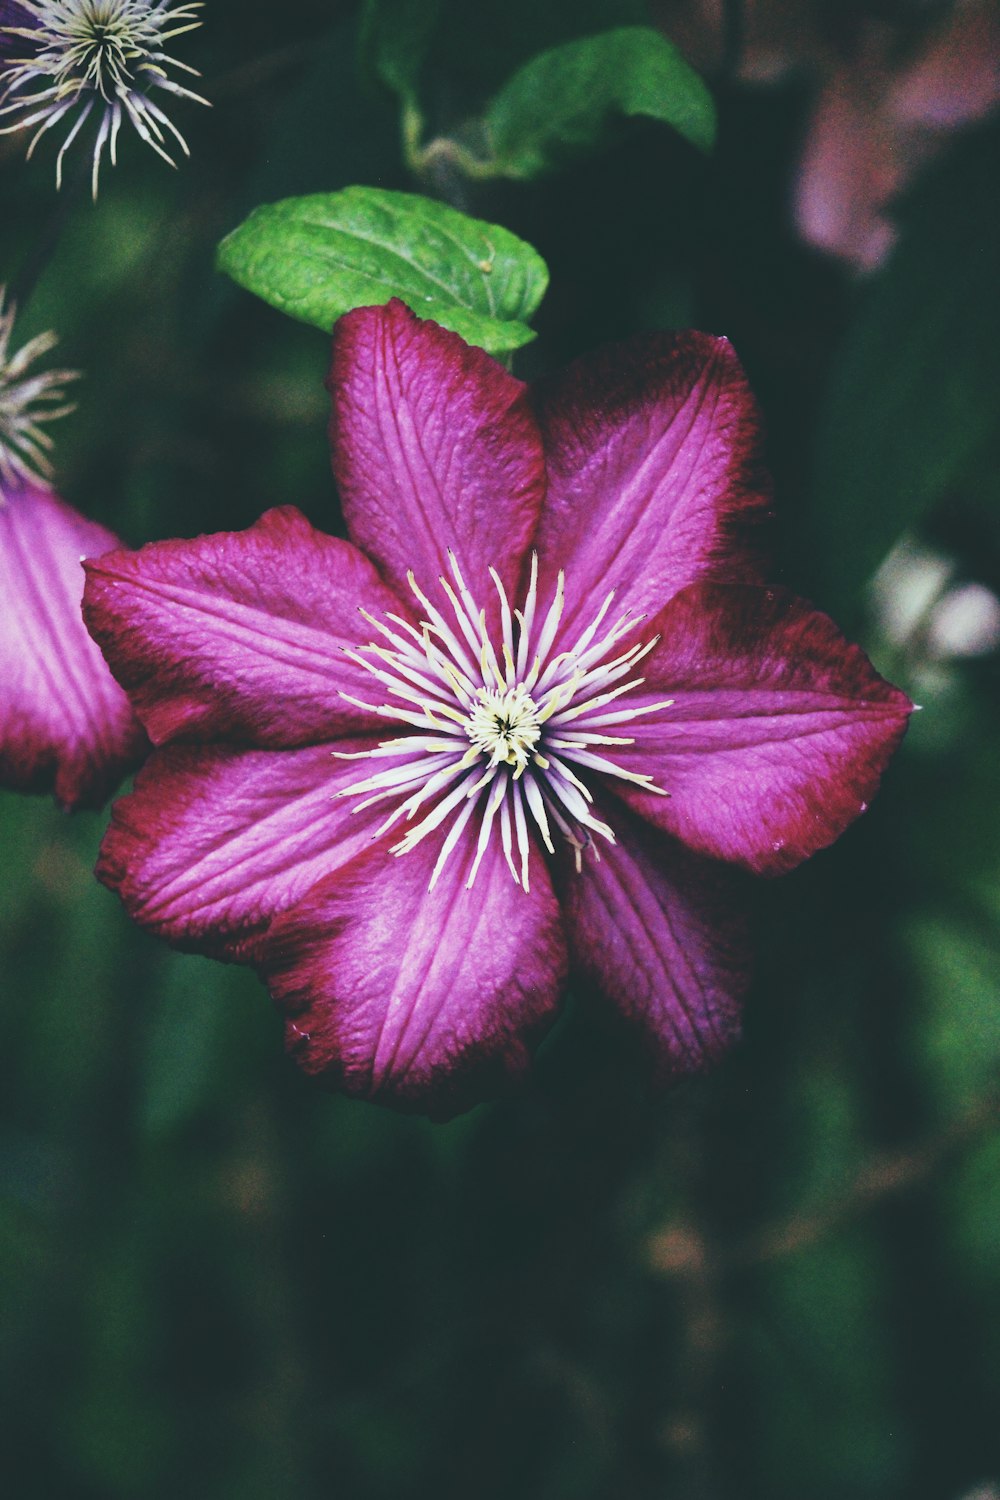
(505, 726)
(500, 733)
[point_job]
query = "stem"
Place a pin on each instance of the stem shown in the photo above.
(444, 150)
(442, 156)
(412, 129)
(676, 1251)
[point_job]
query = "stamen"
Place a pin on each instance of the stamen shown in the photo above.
(498, 734)
(533, 797)
(106, 55)
(526, 618)
(454, 833)
(552, 619)
(506, 626)
(521, 824)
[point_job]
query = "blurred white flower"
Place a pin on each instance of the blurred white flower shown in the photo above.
(27, 401)
(106, 58)
(965, 622)
(920, 608)
(906, 586)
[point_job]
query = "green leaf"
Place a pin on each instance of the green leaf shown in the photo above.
(394, 38)
(565, 101)
(317, 257)
(912, 399)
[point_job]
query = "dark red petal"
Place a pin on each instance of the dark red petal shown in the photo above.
(654, 478)
(434, 447)
(240, 635)
(427, 1000)
(214, 842)
(778, 733)
(662, 933)
(65, 724)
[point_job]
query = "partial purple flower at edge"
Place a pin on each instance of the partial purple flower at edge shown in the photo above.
(533, 715)
(65, 724)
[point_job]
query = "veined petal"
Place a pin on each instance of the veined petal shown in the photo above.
(652, 450)
(662, 934)
(434, 447)
(427, 1000)
(777, 734)
(240, 635)
(65, 724)
(215, 841)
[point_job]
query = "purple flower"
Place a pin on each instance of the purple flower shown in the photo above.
(65, 724)
(524, 719)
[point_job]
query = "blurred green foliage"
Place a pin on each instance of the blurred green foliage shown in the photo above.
(777, 1282)
(915, 381)
(565, 102)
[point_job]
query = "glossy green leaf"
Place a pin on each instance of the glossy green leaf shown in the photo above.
(317, 257)
(566, 101)
(912, 400)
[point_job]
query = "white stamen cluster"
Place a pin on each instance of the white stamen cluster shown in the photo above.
(505, 725)
(26, 401)
(500, 736)
(97, 55)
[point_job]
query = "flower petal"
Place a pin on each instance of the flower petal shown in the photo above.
(65, 724)
(662, 933)
(778, 733)
(424, 999)
(434, 447)
(241, 634)
(654, 478)
(215, 841)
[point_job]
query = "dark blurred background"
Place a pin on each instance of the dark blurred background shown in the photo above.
(782, 1281)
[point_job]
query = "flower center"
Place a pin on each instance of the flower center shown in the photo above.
(104, 55)
(499, 736)
(101, 41)
(505, 726)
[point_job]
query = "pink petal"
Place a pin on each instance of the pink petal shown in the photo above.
(241, 634)
(652, 449)
(955, 78)
(851, 168)
(434, 447)
(65, 724)
(661, 932)
(427, 1000)
(215, 841)
(779, 730)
